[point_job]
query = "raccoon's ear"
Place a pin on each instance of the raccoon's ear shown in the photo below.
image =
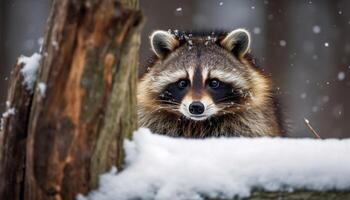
(238, 42)
(163, 43)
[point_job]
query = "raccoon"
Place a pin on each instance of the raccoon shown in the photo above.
(206, 84)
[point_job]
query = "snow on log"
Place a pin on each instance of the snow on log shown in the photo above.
(160, 167)
(30, 69)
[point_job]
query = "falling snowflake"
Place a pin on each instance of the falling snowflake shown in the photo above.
(326, 44)
(325, 99)
(283, 43)
(221, 3)
(341, 76)
(316, 29)
(303, 95)
(270, 17)
(256, 30)
(179, 9)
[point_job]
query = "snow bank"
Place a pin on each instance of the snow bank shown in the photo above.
(30, 69)
(160, 167)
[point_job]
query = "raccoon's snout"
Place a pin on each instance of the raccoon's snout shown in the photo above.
(196, 108)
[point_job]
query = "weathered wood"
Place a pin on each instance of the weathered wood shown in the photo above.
(89, 67)
(57, 143)
(14, 134)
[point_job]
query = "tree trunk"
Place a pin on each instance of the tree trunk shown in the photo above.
(14, 132)
(337, 110)
(58, 142)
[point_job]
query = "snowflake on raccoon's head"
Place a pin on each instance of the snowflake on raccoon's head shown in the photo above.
(189, 37)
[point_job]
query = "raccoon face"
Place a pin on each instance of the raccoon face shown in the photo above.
(199, 77)
(200, 99)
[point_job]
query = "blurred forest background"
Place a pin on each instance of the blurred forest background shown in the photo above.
(303, 44)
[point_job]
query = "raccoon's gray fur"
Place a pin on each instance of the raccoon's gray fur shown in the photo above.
(203, 85)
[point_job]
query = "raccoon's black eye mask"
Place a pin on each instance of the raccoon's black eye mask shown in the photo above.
(219, 91)
(236, 41)
(222, 92)
(175, 92)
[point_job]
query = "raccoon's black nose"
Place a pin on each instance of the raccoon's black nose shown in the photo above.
(196, 108)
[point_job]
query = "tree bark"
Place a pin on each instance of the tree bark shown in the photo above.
(58, 142)
(14, 132)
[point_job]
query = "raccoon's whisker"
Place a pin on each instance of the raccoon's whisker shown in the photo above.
(224, 105)
(160, 108)
(210, 105)
(224, 99)
(168, 108)
(167, 101)
(229, 103)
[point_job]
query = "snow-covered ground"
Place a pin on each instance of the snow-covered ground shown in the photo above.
(159, 167)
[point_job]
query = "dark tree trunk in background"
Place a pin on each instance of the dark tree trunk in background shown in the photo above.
(277, 23)
(2, 53)
(57, 143)
(338, 124)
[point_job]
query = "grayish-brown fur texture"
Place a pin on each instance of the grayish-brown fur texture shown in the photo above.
(256, 113)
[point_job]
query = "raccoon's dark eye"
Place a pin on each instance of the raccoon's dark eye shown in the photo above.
(214, 83)
(182, 84)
